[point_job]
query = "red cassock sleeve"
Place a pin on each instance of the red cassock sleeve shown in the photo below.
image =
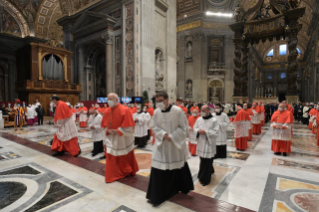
(62, 111)
(241, 116)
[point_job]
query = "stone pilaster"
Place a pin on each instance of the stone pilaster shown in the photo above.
(81, 72)
(109, 63)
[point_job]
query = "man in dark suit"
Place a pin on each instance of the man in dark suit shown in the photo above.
(299, 109)
(267, 110)
(40, 112)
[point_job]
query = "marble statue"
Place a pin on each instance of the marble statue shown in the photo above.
(189, 51)
(159, 76)
(189, 88)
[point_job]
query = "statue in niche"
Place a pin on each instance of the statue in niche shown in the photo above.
(189, 50)
(159, 75)
(189, 88)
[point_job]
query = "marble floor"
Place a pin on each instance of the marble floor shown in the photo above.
(254, 180)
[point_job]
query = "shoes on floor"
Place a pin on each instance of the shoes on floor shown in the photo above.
(103, 157)
(285, 154)
(277, 153)
(58, 154)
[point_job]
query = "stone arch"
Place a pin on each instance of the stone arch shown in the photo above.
(219, 83)
(92, 53)
(17, 15)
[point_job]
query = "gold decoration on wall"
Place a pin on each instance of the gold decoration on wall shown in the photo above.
(196, 24)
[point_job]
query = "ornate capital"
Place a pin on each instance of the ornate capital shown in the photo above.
(108, 38)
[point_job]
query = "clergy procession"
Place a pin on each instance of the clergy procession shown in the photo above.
(176, 131)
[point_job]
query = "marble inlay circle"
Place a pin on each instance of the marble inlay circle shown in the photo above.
(32, 188)
(306, 201)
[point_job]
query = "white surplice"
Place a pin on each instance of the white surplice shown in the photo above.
(255, 119)
(281, 134)
(30, 113)
(206, 144)
(305, 112)
(83, 116)
(148, 122)
(223, 122)
(140, 130)
(169, 155)
(98, 133)
(66, 129)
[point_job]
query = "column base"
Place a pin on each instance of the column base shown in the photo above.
(241, 99)
(292, 99)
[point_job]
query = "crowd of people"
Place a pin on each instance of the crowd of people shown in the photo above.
(176, 131)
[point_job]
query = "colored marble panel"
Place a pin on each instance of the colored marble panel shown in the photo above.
(295, 165)
(11, 192)
(305, 143)
(282, 207)
(21, 170)
(8, 156)
(56, 193)
(286, 184)
(307, 201)
(237, 155)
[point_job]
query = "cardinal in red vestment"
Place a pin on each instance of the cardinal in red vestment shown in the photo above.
(83, 111)
(262, 114)
(250, 114)
(312, 113)
(119, 124)
(317, 120)
(281, 122)
(255, 119)
(192, 143)
(66, 137)
(242, 124)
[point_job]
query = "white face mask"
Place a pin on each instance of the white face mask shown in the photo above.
(138, 111)
(203, 114)
(144, 109)
(194, 114)
(111, 103)
(160, 105)
(217, 110)
(280, 109)
(245, 108)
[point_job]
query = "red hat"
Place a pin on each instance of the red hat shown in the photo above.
(18, 100)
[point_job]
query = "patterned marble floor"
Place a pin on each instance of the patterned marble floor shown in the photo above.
(255, 179)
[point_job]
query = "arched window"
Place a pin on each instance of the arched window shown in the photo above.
(282, 75)
(283, 50)
(270, 53)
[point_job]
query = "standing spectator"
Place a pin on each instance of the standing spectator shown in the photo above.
(41, 113)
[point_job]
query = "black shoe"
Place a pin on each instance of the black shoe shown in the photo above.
(103, 157)
(58, 154)
(285, 154)
(78, 154)
(277, 153)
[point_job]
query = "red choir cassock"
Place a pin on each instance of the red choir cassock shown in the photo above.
(311, 113)
(255, 119)
(250, 132)
(83, 116)
(65, 139)
(120, 157)
(314, 125)
(262, 116)
(192, 144)
(242, 125)
(317, 119)
(281, 138)
(150, 110)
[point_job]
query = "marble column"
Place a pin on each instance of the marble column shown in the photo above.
(11, 79)
(81, 73)
(6, 87)
(109, 63)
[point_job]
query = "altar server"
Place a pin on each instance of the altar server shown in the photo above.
(140, 131)
(30, 115)
(281, 122)
(192, 143)
(255, 119)
(305, 112)
(66, 137)
(170, 172)
(98, 133)
(223, 123)
(83, 111)
(119, 125)
(206, 129)
(242, 123)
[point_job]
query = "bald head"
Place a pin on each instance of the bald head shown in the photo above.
(205, 110)
(112, 99)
